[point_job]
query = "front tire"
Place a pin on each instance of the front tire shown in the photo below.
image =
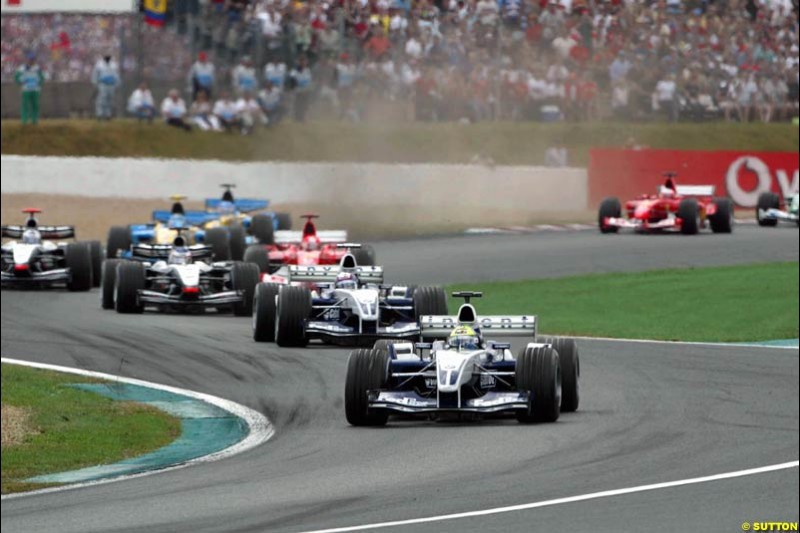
(119, 240)
(257, 255)
(293, 309)
(78, 259)
(689, 213)
(284, 221)
(97, 262)
(365, 256)
(264, 312)
(109, 283)
(219, 241)
(569, 360)
(244, 277)
(366, 370)
(429, 301)
(767, 200)
(538, 373)
(262, 228)
(609, 208)
(237, 240)
(130, 280)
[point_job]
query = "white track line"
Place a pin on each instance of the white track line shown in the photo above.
(680, 343)
(561, 501)
(260, 428)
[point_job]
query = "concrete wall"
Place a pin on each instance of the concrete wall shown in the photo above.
(343, 184)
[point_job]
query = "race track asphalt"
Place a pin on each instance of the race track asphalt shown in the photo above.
(649, 413)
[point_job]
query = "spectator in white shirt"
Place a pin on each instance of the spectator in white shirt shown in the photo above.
(270, 99)
(173, 109)
(202, 113)
(225, 111)
(665, 96)
(249, 112)
(745, 100)
(140, 103)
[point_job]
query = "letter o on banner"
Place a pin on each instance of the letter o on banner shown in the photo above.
(740, 196)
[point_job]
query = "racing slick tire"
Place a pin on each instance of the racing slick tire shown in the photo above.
(722, 220)
(284, 221)
(384, 345)
(262, 228)
(78, 259)
(689, 213)
(539, 374)
(109, 283)
(366, 370)
(237, 240)
(569, 359)
(293, 308)
(264, 312)
(609, 207)
(244, 277)
(219, 241)
(119, 240)
(258, 255)
(429, 301)
(96, 250)
(130, 280)
(365, 256)
(767, 200)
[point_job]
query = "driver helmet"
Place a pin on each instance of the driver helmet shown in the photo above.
(31, 236)
(226, 208)
(180, 255)
(346, 280)
(177, 220)
(464, 338)
(311, 244)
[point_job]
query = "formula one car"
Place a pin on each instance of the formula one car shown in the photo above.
(33, 259)
(162, 230)
(683, 208)
(231, 216)
(460, 373)
(350, 305)
(769, 210)
(177, 277)
(306, 248)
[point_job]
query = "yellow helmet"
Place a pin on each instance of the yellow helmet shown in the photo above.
(464, 338)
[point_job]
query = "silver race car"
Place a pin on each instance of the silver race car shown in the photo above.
(769, 210)
(460, 373)
(341, 304)
(37, 256)
(177, 277)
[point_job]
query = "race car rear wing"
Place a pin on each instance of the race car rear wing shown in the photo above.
(193, 218)
(245, 205)
(694, 190)
(440, 326)
(296, 237)
(328, 273)
(47, 232)
(162, 251)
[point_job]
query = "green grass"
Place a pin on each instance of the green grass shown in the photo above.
(505, 143)
(726, 304)
(73, 428)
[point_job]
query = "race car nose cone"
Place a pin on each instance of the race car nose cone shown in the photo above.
(21, 268)
(191, 292)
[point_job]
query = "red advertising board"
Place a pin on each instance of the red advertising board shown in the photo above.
(742, 176)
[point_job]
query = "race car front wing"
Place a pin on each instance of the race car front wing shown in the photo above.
(47, 277)
(147, 297)
(411, 402)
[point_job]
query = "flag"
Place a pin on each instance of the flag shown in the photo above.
(155, 12)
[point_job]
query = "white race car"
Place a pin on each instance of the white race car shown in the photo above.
(770, 211)
(464, 374)
(37, 257)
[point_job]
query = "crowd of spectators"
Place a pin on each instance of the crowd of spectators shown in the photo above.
(473, 60)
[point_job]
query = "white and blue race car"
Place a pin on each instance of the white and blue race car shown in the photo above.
(769, 210)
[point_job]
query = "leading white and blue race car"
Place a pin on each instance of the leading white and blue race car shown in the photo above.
(460, 373)
(340, 304)
(770, 210)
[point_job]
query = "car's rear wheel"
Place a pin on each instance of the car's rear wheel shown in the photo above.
(258, 255)
(293, 309)
(130, 280)
(119, 240)
(385, 345)
(108, 283)
(264, 312)
(237, 241)
(218, 239)
(262, 227)
(609, 208)
(539, 374)
(689, 213)
(96, 250)
(78, 259)
(365, 256)
(284, 221)
(722, 220)
(429, 301)
(569, 360)
(244, 277)
(767, 200)
(366, 370)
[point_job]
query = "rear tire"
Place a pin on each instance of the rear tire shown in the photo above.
(219, 241)
(109, 283)
(384, 345)
(97, 262)
(119, 240)
(365, 256)
(689, 213)
(264, 310)
(538, 373)
(429, 301)
(722, 220)
(569, 360)
(244, 277)
(78, 259)
(284, 221)
(130, 280)
(237, 240)
(767, 200)
(294, 306)
(609, 208)
(262, 228)
(257, 255)
(366, 370)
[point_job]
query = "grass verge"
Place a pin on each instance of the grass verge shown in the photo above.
(723, 304)
(504, 143)
(67, 429)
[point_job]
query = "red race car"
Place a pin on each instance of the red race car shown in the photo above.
(684, 208)
(306, 248)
